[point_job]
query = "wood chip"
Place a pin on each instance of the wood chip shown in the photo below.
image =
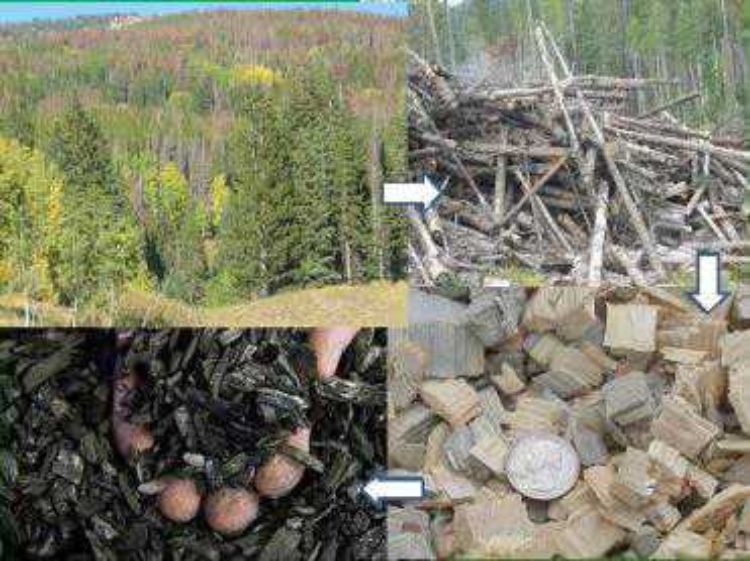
(628, 399)
(498, 528)
(491, 452)
(739, 393)
(454, 400)
(589, 535)
(683, 428)
(631, 327)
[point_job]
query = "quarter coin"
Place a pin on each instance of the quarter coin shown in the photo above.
(542, 466)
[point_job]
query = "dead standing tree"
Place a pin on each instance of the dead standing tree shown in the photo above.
(558, 178)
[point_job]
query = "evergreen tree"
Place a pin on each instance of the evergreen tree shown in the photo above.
(99, 247)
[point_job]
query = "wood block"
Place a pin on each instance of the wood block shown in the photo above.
(509, 381)
(536, 413)
(451, 483)
(631, 327)
(683, 544)
(589, 535)
(663, 516)
(456, 449)
(571, 373)
(703, 385)
(494, 316)
(744, 524)
(409, 534)
(703, 482)
(739, 471)
(407, 367)
(498, 528)
(551, 306)
(739, 393)
(596, 353)
(580, 498)
(628, 399)
(696, 335)
(453, 400)
(492, 408)
(491, 452)
(683, 428)
(412, 425)
(716, 511)
(670, 469)
(451, 349)
(600, 479)
(542, 348)
(683, 356)
(433, 457)
(633, 483)
(587, 435)
(735, 348)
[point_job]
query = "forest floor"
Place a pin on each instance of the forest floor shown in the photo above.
(368, 305)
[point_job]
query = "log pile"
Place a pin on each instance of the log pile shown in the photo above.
(560, 179)
(652, 397)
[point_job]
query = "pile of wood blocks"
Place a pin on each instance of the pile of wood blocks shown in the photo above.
(653, 396)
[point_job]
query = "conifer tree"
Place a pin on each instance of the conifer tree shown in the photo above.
(99, 247)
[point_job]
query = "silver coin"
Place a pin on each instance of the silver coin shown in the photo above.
(542, 466)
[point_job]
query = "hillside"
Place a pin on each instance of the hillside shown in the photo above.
(211, 158)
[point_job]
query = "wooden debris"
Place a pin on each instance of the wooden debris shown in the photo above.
(452, 350)
(497, 528)
(508, 381)
(454, 400)
(645, 409)
(633, 483)
(566, 151)
(589, 535)
(628, 399)
(571, 373)
(739, 393)
(409, 534)
(494, 316)
(631, 327)
(684, 544)
(683, 428)
(491, 452)
(717, 510)
(735, 348)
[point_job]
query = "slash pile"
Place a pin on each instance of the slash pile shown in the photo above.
(652, 399)
(560, 179)
(219, 405)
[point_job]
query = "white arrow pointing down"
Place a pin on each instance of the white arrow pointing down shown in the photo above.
(708, 268)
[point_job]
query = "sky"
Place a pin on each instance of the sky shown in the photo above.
(13, 12)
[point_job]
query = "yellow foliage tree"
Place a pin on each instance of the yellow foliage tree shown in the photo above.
(249, 74)
(30, 192)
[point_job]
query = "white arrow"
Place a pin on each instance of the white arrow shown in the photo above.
(707, 270)
(423, 193)
(391, 488)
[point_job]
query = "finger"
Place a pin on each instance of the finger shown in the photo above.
(280, 474)
(130, 439)
(329, 343)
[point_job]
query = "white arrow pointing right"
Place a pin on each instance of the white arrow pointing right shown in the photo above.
(423, 193)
